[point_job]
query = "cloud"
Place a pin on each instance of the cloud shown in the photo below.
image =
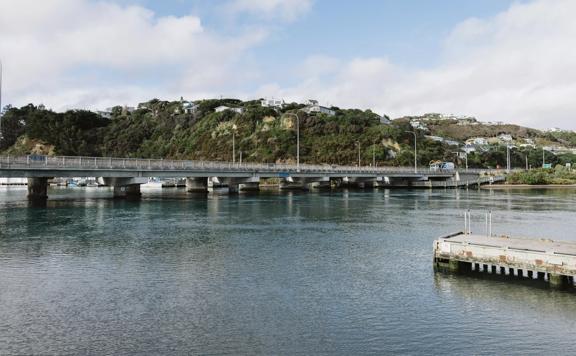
(65, 51)
(517, 66)
(287, 10)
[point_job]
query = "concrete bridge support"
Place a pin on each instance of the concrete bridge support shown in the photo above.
(131, 191)
(236, 185)
(38, 188)
(360, 182)
(305, 183)
(126, 187)
(197, 184)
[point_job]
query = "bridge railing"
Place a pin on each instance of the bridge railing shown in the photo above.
(111, 163)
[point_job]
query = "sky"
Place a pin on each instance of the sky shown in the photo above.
(497, 60)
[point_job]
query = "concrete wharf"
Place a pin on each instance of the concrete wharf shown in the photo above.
(553, 262)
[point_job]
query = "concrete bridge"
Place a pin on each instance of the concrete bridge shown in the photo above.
(127, 174)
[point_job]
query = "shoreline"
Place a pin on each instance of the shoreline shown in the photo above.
(529, 186)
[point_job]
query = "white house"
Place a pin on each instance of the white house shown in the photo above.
(224, 108)
(313, 106)
(419, 125)
(189, 107)
(479, 141)
(107, 114)
(505, 137)
(272, 103)
(385, 120)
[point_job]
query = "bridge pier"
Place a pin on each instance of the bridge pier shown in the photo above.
(360, 182)
(197, 184)
(305, 183)
(125, 187)
(131, 191)
(236, 185)
(38, 188)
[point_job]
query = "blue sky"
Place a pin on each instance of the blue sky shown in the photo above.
(499, 60)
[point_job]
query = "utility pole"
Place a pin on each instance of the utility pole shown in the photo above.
(359, 162)
(508, 158)
(374, 155)
(526, 161)
(543, 158)
(234, 127)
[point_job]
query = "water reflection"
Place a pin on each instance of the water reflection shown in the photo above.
(341, 272)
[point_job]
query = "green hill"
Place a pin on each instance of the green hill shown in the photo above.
(162, 129)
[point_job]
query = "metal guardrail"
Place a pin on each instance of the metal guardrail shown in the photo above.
(110, 163)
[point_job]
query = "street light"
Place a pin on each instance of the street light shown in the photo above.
(374, 155)
(358, 144)
(508, 162)
(415, 152)
(297, 138)
(234, 127)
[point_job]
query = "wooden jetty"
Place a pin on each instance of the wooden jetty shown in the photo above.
(546, 260)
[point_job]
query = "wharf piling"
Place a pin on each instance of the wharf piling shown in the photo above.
(543, 260)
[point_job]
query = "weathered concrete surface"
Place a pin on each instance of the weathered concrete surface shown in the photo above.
(38, 188)
(197, 184)
(127, 191)
(530, 258)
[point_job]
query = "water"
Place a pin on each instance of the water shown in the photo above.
(341, 273)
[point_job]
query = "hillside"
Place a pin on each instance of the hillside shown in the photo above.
(204, 130)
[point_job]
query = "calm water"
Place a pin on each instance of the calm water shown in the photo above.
(342, 273)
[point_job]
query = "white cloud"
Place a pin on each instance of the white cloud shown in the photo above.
(50, 51)
(288, 10)
(517, 67)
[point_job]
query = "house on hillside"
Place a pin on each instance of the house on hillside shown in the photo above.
(385, 120)
(224, 108)
(313, 106)
(107, 114)
(186, 107)
(505, 137)
(418, 125)
(477, 141)
(272, 103)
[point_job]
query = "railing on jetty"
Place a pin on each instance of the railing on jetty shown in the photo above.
(547, 261)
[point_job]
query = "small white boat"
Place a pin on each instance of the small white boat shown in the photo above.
(153, 183)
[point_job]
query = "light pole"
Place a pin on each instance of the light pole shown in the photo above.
(415, 152)
(234, 127)
(508, 161)
(297, 139)
(374, 155)
(359, 162)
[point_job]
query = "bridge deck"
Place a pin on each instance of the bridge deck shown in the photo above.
(37, 166)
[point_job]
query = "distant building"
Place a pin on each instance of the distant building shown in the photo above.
(417, 124)
(272, 103)
(435, 138)
(505, 137)
(187, 107)
(469, 148)
(385, 120)
(224, 108)
(107, 114)
(478, 141)
(313, 106)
